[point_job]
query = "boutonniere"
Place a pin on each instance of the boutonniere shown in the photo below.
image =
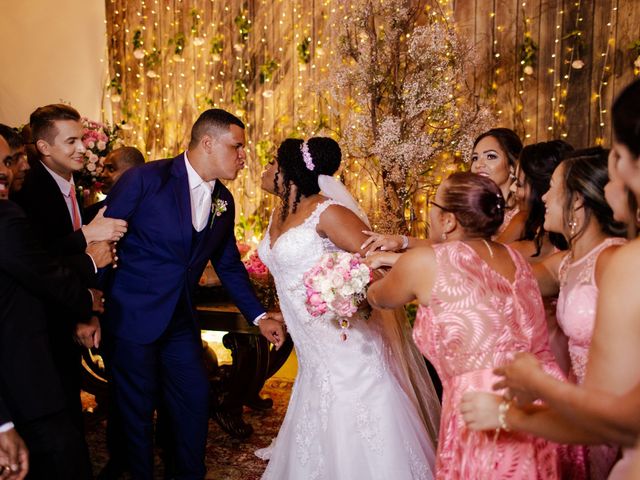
(218, 207)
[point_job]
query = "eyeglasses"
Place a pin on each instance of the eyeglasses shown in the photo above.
(444, 209)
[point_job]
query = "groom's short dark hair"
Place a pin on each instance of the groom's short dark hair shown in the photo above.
(214, 120)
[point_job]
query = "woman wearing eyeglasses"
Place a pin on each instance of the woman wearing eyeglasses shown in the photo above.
(479, 305)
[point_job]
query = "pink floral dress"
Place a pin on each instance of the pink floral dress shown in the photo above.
(576, 316)
(477, 320)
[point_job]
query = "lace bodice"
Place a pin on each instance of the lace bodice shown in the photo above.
(477, 318)
(345, 397)
(576, 312)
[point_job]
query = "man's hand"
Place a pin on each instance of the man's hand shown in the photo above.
(14, 456)
(89, 334)
(102, 228)
(103, 253)
(273, 329)
(98, 300)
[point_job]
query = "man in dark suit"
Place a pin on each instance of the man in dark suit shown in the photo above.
(179, 215)
(32, 402)
(48, 198)
(115, 164)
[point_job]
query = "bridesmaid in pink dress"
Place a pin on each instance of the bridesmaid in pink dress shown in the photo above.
(495, 153)
(479, 305)
(593, 234)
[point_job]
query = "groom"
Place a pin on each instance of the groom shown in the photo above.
(180, 215)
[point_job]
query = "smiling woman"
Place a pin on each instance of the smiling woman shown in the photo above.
(495, 154)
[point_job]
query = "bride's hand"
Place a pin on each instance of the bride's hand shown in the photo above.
(379, 241)
(381, 259)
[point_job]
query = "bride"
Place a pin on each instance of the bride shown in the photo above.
(362, 407)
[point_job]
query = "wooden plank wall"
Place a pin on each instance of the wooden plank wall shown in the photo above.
(556, 100)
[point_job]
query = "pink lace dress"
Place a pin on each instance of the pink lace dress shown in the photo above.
(477, 320)
(509, 214)
(576, 316)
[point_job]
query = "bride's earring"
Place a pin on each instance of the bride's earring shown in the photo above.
(443, 236)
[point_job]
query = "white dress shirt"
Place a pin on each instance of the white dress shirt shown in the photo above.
(200, 194)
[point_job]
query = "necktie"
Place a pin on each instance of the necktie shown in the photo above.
(75, 216)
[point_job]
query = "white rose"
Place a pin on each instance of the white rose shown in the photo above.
(91, 144)
(138, 53)
(528, 70)
(101, 145)
(347, 290)
(197, 41)
(116, 98)
(577, 64)
(91, 167)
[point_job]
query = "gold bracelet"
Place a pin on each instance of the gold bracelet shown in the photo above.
(503, 408)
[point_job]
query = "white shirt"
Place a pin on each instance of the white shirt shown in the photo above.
(200, 194)
(65, 187)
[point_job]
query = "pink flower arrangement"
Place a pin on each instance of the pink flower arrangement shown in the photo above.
(337, 284)
(256, 269)
(99, 139)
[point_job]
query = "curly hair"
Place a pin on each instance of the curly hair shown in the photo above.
(326, 156)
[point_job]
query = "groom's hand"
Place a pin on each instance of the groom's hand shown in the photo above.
(272, 328)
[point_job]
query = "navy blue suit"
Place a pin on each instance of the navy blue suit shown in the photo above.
(151, 332)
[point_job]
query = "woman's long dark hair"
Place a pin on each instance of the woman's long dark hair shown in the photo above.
(537, 162)
(585, 174)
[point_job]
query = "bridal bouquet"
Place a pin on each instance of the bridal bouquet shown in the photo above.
(337, 284)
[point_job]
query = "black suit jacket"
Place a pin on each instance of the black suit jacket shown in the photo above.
(29, 277)
(44, 204)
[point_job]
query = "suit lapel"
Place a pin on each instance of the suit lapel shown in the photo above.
(183, 201)
(51, 191)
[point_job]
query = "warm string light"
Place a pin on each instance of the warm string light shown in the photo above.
(556, 114)
(606, 72)
(573, 63)
(526, 69)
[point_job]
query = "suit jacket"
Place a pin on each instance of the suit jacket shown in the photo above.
(44, 204)
(29, 277)
(159, 262)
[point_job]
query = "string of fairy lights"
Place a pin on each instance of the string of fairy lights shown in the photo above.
(170, 60)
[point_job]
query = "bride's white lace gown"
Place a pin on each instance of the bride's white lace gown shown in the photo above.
(348, 417)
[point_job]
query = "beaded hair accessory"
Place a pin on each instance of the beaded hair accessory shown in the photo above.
(306, 156)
